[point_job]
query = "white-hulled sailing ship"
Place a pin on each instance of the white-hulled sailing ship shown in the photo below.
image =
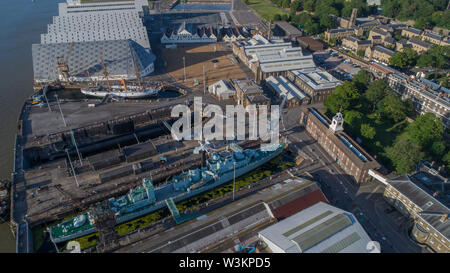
(121, 91)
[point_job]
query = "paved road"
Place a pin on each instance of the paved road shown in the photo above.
(365, 201)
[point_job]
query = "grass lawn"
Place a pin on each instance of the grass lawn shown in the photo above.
(386, 133)
(265, 9)
(88, 240)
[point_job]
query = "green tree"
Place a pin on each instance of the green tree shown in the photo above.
(367, 131)
(295, 6)
(352, 120)
(361, 80)
(309, 5)
(392, 107)
(436, 57)
(404, 154)
(404, 59)
(446, 158)
(285, 3)
(360, 53)
(426, 130)
(438, 148)
(376, 91)
(343, 98)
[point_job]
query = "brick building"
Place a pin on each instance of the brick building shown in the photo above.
(286, 91)
(427, 97)
(248, 92)
(330, 135)
(355, 44)
(418, 45)
(378, 53)
(431, 224)
(315, 82)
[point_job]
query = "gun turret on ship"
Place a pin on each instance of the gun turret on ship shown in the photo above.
(220, 167)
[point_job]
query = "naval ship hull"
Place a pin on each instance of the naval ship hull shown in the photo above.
(166, 191)
(129, 94)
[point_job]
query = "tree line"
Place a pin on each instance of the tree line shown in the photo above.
(373, 112)
(435, 57)
(316, 16)
(425, 13)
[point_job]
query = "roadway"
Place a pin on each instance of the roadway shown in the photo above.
(365, 201)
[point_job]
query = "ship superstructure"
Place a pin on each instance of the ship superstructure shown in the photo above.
(220, 168)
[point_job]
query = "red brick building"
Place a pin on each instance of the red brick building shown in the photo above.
(330, 135)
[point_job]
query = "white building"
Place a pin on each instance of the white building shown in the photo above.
(222, 90)
(320, 228)
(97, 26)
(188, 33)
(84, 61)
(79, 6)
(85, 30)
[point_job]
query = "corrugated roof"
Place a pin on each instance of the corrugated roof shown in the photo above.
(316, 229)
(116, 54)
(284, 88)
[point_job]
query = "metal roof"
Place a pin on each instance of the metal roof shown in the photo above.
(319, 228)
(116, 54)
(432, 209)
(285, 59)
(76, 6)
(316, 78)
(285, 88)
(416, 194)
(288, 28)
(111, 25)
(247, 86)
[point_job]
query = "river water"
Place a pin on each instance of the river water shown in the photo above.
(22, 22)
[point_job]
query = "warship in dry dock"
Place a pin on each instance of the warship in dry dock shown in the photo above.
(218, 169)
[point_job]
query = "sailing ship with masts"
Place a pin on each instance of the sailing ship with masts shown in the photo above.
(121, 91)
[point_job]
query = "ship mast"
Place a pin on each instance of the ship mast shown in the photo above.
(138, 76)
(105, 72)
(87, 72)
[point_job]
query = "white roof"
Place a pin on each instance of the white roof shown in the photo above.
(285, 60)
(97, 26)
(77, 6)
(316, 78)
(285, 88)
(221, 87)
(320, 228)
(252, 50)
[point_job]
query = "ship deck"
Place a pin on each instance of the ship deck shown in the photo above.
(36, 194)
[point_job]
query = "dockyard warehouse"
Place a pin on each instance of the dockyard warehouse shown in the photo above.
(320, 228)
(92, 6)
(85, 60)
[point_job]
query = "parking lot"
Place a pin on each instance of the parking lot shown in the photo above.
(341, 68)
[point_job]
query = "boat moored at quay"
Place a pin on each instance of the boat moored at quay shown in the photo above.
(219, 168)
